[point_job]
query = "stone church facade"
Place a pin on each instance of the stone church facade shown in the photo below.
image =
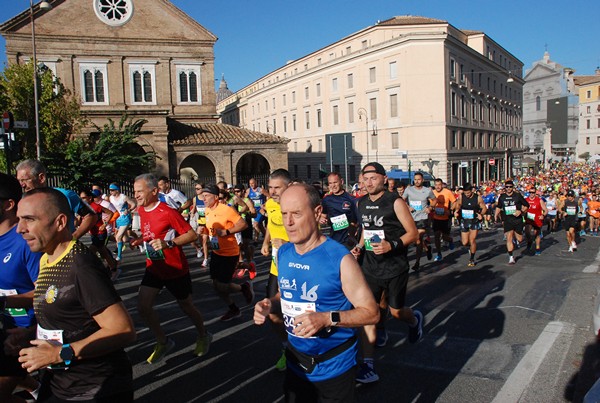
(150, 60)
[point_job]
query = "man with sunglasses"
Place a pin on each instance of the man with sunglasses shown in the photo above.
(512, 205)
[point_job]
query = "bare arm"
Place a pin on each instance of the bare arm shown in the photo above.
(239, 226)
(482, 206)
(87, 222)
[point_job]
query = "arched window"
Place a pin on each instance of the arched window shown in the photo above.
(538, 103)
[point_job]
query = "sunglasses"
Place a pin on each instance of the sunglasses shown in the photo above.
(509, 187)
(198, 188)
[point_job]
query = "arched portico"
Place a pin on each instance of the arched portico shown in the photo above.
(197, 167)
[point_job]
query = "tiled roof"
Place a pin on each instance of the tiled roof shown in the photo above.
(411, 20)
(471, 32)
(218, 133)
(585, 80)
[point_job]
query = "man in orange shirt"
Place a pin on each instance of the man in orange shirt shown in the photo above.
(444, 201)
(222, 223)
(594, 213)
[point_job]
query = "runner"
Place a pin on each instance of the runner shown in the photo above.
(246, 258)
(534, 220)
(125, 206)
(443, 203)
(419, 199)
(489, 198)
(164, 232)
(258, 196)
(173, 197)
(569, 210)
(339, 210)
(199, 208)
(388, 230)
(470, 209)
(512, 205)
(552, 207)
(223, 222)
(594, 214)
(320, 305)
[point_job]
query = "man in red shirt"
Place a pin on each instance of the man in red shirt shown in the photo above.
(534, 220)
(164, 231)
(222, 222)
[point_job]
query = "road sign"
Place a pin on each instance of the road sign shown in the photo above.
(6, 120)
(21, 124)
(492, 161)
(516, 163)
(464, 164)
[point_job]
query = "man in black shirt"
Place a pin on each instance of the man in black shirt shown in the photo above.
(512, 205)
(82, 324)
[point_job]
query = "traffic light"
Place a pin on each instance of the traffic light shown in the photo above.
(16, 150)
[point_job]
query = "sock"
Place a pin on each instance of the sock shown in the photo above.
(510, 253)
(119, 249)
(369, 361)
(472, 256)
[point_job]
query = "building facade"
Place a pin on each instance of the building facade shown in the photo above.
(148, 59)
(409, 92)
(588, 143)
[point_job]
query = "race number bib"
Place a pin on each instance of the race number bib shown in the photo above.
(44, 334)
(416, 205)
(201, 211)
(510, 210)
(257, 203)
(291, 310)
(370, 234)
(571, 210)
(274, 255)
(214, 242)
(152, 253)
(468, 214)
(440, 211)
(14, 312)
(339, 222)
(530, 216)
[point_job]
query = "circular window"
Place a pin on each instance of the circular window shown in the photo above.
(114, 12)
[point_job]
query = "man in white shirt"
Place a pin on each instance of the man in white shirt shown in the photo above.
(174, 198)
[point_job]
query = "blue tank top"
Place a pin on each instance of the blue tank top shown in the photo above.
(312, 282)
(257, 197)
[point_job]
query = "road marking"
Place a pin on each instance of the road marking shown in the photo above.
(593, 268)
(519, 379)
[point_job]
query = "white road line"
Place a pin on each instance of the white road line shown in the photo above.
(593, 268)
(519, 379)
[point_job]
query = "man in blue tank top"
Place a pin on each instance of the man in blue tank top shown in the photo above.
(322, 296)
(339, 209)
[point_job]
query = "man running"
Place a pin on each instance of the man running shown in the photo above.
(125, 206)
(419, 199)
(534, 220)
(164, 232)
(339, 210)
(470, 209)
(322, 296)
(199, 208)
(223, 222)
(444, 201)
(173, 197)
(568, 210)
(512, 205)
(258, 196)
(388, 230)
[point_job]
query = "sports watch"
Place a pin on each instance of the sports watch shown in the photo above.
(67, 354)
(334, 317)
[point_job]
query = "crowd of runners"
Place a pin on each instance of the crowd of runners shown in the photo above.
(327, 297)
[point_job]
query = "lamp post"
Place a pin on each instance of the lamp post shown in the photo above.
(495, 168)
(567, 155)
(44, 5)
(430, 163)
(363, 112)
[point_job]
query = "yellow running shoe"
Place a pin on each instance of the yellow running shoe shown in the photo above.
(160, 350)
(203, 344)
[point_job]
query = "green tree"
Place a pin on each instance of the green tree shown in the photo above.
(585, 156)
(111, 154)
(60, 117)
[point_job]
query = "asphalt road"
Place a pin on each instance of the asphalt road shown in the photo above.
(494, 333)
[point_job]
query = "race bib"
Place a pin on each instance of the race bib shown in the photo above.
(44, 334)
(571, 210)
(291, 310)
(339, 222)
(14, 312)
(530, 216)
(201, 211)
(468, 214)
(416, 205)
(214, 242)
(274, 255)
(370, 234)
(257, 203)
(152, 253)
(510, 210)
(440, 211)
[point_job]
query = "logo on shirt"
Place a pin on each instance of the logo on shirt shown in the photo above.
(7, 257)
(346, 205)
(51, 294)
(285, 284)
(299, 266)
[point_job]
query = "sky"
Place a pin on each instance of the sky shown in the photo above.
(257, 37)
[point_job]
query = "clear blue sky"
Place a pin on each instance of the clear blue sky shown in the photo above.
(256, 37)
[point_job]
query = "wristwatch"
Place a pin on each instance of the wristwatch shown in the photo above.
(334, 317)
(170, 244)
(67, 354)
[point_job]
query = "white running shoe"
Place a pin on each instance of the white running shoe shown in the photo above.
(512, 260)
(199, 254)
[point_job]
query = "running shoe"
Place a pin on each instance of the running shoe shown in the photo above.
(240, 271)
(205, 263)
(231, 314)
(512, 260)
(382, 337)
(451, 245)
(438, 257)
(471, 263)
(366, 374)
(281, 363)
(582, 233)
(248, 292)
(252, 270)
(538, 252)
(570, 249)
(117, 258)
(429, 253)
(416, 266)
(203, 344)
(416, 333)
(160, 350)
(199, 254)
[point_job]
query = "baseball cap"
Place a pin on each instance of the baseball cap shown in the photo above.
(571, 193)
(212, 189)
(239, 186)
(230, 186)
(375, 167)
(509, 182)
(96, 193)
(114, 187)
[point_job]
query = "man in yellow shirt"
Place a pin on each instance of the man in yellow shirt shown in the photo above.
(276, 236)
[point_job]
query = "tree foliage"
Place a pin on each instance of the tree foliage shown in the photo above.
(585, 156)
(60, 117)
(111, 154)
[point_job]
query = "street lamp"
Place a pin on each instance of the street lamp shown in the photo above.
(495, 168)
(363, 112)
(44, 5)
(430, 163)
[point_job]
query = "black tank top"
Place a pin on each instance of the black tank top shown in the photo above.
(469, 207)
(379, 217)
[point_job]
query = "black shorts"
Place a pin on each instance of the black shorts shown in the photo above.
(423, 224)
(470, 225)
(180, 287)
(247, 233)
(338, 389)
(272, 286)
(441, 226)
(99, 240)
(10, 365)
(513, 225)
(569, 223)
(395, 287)
(222, 267)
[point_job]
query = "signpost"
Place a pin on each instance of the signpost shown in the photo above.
(492, 162)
